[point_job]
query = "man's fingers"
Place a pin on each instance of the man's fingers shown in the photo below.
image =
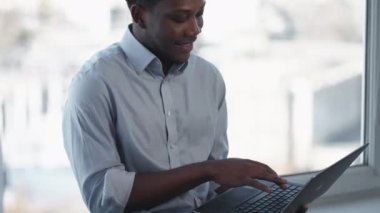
(276, 179)
(282, 182)
(239, 172)
(265, 168)
(267, 173)
(256, 184)
(270, 171)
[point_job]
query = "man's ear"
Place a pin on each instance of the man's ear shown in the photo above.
(138, 14)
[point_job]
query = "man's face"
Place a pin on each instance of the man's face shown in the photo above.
(171, 28)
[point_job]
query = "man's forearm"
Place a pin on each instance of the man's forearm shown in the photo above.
(151, 189)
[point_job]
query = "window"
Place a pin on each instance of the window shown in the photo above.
(43, 44)
(365, 177)
(293, 71)
(288, 65)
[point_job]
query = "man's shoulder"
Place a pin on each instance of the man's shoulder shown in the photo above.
(106, 57)
(99, 70)
(199, 60)
(203, 66)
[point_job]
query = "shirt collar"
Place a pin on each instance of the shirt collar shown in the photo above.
(136, 53)
(141, 58)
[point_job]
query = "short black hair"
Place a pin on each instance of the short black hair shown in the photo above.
(147, 3)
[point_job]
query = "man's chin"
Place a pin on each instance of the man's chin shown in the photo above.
(182, 58)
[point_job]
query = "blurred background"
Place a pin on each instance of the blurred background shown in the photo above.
(293, 71)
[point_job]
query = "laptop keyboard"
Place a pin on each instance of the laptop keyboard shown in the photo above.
(272, 202)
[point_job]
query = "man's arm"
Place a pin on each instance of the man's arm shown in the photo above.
(90, 143)
(150, 189)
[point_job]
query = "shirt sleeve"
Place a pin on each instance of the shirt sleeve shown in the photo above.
(220, 147)
(90, 143)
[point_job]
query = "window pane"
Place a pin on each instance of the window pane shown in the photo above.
(293, 71)
(292, 68)
(43, 44)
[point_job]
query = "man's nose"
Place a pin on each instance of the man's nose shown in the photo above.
(195, 28)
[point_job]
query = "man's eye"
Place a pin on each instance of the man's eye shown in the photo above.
(179, 19)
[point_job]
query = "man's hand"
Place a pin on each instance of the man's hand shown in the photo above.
(153, 188)
(240, 172)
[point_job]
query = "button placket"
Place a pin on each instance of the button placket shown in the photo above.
(170, 123)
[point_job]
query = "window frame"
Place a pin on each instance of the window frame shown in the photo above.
(367, 176)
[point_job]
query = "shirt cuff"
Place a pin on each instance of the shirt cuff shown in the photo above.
(118, 185)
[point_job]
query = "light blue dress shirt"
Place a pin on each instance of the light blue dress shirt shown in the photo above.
(123, 116)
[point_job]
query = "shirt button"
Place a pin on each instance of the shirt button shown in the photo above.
(169, 113)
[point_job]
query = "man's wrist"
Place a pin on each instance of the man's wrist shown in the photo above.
(208, 169)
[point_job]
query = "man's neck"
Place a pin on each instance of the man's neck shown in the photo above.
(166, 64)
(166, 67)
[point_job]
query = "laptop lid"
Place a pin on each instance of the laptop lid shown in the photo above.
(321, 182)
(315, 187)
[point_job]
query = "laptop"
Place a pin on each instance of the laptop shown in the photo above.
(248, 199)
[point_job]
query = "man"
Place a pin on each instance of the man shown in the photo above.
(145, 121)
